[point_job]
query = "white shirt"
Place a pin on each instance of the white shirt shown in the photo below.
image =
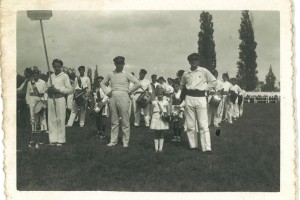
(199, 79)
(145, 84)
(226, 86)
(85, 81)
(60, 82)
(236, 89)
(40, 85)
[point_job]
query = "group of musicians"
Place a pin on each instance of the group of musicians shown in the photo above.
(196, 100)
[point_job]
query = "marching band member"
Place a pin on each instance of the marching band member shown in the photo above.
(82, 83)
(145, 86)
(120, 99)
(168, 88)
(197, 81)
(101, 109)
(57, 103)
(214, 112)
(226, 104)
(235, 91)
(177, 110)
(241, 102)
(70, 97)
(36, 88)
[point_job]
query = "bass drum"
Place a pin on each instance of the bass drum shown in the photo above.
(80, 98)
(144, 99)
(215, 100)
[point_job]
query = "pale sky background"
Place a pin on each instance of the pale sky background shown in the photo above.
(158, 41)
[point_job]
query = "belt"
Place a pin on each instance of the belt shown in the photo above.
(195, 93)
(55, 96)
(35, 95)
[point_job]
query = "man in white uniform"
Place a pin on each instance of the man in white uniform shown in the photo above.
(145, 86)
(197, 81)
(215, 112)
(35, 93)
(237, 90)
(241, 102)
(226, 103)
(57, 91)
(81, 83)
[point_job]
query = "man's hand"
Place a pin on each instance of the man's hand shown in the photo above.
(52, 89)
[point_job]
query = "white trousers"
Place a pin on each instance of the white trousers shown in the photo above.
(241, 108)
(57, 131)
(228, 106)
(235, 109)
(196, 113)
(137, 115)
(37, 117)
(214, 113)
(76, 108)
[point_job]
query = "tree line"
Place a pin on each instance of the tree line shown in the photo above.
(246, 65)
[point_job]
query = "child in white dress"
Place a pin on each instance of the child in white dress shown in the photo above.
(160, 107)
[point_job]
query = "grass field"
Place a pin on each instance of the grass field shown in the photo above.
(246, 157)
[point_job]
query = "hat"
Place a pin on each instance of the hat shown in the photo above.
(193, 56)
(81, 67)
(159, 90)
(143, 71)
(100, 77)
(119, 60)
(58, 61)
(180, 72)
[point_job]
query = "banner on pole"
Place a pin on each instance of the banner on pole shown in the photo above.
(39, 14)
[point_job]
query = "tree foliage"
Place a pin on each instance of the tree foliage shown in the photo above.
(269, 86)
(89, 74)
(247, 73)
(206, 43)
(96, 74)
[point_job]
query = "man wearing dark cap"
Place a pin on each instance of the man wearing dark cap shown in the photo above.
(82, 83)
(58, 87)
(119, 101)
(145, 86)
(197, 81)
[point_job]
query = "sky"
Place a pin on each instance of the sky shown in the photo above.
(158, 41)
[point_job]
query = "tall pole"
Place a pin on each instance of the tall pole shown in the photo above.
(45, 48)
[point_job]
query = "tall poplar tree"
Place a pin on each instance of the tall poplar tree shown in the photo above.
(270, 81)
(96, 74)
(206, 43)
(247, 73)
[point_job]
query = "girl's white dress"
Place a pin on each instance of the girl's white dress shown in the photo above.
(156, 122)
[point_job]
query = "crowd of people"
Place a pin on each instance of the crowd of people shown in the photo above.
(191, 102)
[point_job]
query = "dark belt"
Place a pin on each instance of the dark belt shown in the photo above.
(35, 95)
(195, 93)
(55, 96)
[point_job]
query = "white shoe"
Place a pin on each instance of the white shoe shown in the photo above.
(67, 126)
(110, 144)
(125, 145)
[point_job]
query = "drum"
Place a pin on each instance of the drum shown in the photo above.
(233, 96)
(80, 98)
(144, 99)
(215, 100)
(39, 107)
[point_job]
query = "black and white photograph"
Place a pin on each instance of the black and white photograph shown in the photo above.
(160, 101)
